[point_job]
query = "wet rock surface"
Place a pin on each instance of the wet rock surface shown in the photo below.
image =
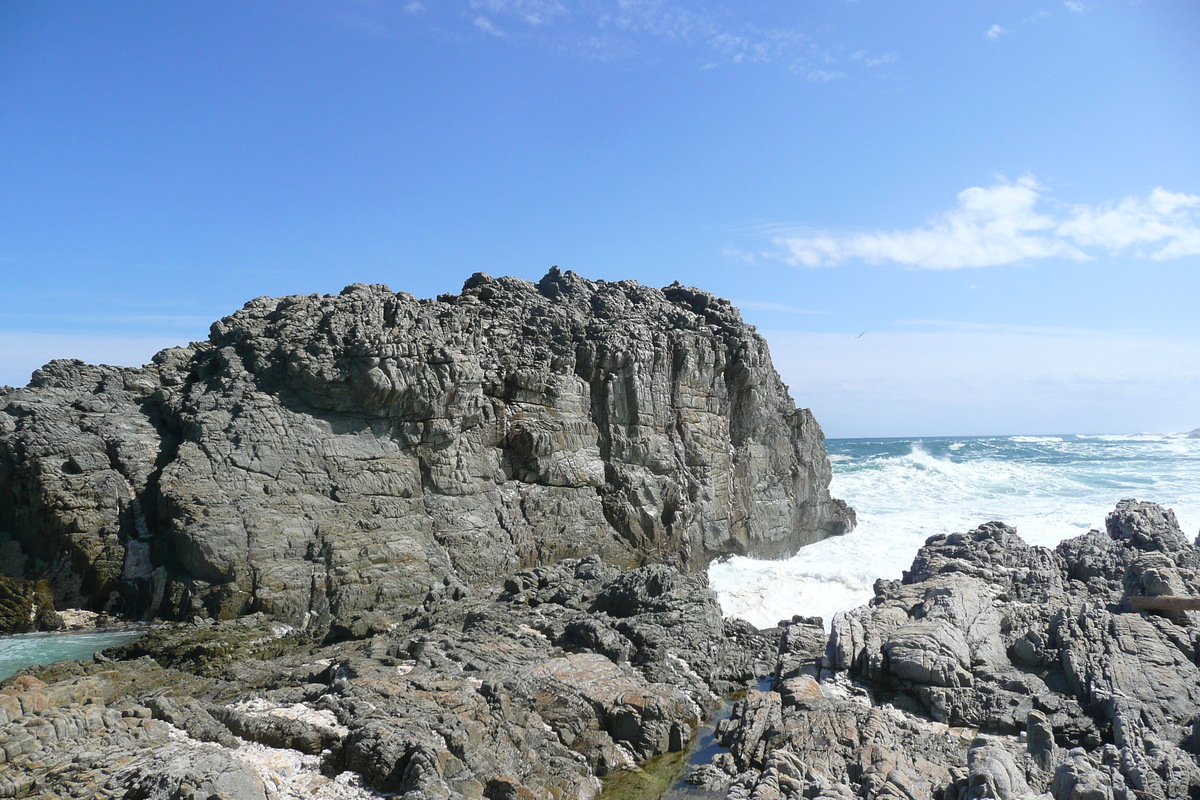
(26, 606)
(321, 458)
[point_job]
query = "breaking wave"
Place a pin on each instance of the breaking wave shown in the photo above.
(1049, 488)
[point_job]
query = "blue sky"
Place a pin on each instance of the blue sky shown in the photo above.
(1003, 198)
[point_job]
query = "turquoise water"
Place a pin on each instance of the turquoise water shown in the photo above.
(26, 649)
(1049, 488)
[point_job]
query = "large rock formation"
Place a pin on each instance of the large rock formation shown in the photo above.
(323, 456)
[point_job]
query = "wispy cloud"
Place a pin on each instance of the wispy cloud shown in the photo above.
(722, 34)
(484, 24)
(1005, 224)
(714, 35)
(998, 31)
(532, 12)
(361, 24)
(822, 75)
(1003, 329)
(1160, 226)
(878, 61)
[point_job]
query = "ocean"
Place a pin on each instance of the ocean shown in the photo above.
(26, 649)
(1049, 488)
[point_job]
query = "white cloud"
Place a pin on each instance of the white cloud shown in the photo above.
(361, 24)
(534, 12)
(1074, 5)
(609, 30)
(739, 254)
(719, 32)
(1002, 224)
(995, 32)
(872, 61)
(990, 226)
(1160, 226)
(783, 308)
(823, 75)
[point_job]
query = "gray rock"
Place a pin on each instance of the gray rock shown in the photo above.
(1146, 526)
(1090, 777)
(576, 671)
(992, 773)
(988, 634)
(321, 458)
(1039, 740)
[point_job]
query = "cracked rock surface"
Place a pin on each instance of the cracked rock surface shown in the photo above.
(993, 669)
(539, 688)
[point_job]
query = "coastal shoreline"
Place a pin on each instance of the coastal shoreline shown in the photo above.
(457, 548)
(993, 662)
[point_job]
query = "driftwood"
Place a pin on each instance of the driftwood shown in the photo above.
(1164, 602)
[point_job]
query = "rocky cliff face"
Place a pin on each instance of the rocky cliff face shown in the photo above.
(323, 456)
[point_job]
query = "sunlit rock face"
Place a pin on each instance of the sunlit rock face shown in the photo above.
(320, 456)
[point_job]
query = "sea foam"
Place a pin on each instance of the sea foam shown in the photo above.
(1049, 488)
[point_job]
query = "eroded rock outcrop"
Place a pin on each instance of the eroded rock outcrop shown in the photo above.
(320, 457)
(992, 670)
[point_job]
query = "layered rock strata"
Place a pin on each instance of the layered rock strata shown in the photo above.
(320, 457)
